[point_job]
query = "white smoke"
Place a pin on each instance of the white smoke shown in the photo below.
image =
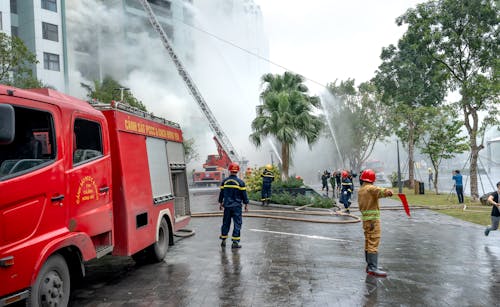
(227, 77)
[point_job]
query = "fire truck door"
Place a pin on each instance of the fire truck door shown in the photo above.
(33, 201)
(90, 179)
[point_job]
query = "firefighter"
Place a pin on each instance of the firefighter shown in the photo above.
(324, 181)
(233, 192)
(368, 196)
(267, 179)
(338, 181)
(332, 182)
(346, 190)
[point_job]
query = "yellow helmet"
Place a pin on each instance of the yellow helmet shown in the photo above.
(269, 166)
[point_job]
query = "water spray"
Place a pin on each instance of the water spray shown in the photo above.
(331, 130)
(275, 151)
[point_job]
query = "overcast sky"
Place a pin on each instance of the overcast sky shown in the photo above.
(324, 40)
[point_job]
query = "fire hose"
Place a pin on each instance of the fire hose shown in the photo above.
(275, 214)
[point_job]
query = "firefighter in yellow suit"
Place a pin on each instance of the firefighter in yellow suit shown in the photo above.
(368, 196)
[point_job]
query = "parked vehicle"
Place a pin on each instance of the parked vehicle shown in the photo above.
(80, 181)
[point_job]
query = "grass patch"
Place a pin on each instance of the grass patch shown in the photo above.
(448, 204)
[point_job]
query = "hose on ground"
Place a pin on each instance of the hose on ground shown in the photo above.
(184, 233)
(273, 214)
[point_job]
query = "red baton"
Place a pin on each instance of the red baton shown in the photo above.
(405, 203)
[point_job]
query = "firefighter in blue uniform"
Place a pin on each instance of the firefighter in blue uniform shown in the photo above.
(346, 191)
(232, 193)
(267, 179)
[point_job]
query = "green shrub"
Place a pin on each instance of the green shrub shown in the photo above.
(299, 200)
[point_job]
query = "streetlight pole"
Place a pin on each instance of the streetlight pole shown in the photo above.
(400, 185)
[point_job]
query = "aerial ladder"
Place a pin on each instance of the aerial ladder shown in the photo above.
(220, 136)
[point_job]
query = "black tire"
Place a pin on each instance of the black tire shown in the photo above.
(160, 248)
(52, 285)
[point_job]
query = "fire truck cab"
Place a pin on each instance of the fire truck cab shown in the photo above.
(78, 182)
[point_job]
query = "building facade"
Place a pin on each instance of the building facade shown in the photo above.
(40, 24)
(86, 40)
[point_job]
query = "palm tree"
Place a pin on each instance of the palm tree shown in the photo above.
(285, 114)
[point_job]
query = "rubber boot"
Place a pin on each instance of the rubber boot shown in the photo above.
(373, 266)
(223, 243)
(236, 244)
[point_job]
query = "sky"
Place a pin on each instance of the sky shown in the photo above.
(325, 40)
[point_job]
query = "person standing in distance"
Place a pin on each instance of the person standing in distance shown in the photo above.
(458, 186)
(267, 179)
(493, 199)
(369, 206)
(233, 193)
(346, 191)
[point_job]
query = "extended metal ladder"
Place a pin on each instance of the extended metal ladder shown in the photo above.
(214, 125)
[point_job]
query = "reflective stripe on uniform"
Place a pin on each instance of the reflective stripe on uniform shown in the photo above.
(233, 185)
(370, 215)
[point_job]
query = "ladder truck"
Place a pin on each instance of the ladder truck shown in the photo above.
(221, 139)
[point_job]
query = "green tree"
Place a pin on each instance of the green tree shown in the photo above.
(16, 63)
(108, 90)
(462, 37)
(411, 85)
(359, 117)
(190, 151)
(286, 114)
(442, 139)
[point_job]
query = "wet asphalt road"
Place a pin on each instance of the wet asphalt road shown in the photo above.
(431, 260)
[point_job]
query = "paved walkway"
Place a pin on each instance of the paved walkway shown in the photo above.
(431, 260)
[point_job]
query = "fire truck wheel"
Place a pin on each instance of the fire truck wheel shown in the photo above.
(52, 285)
(160, 248)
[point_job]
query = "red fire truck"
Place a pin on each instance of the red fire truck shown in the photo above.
(215, 168)
(80, 181)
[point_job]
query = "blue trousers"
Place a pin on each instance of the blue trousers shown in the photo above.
(233, 213)
(460, 193)
(344, 198)
(266, 192)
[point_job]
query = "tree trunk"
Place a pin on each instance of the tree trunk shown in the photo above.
(473, 169)
(471, 122)
(436, 173)
(285, 154)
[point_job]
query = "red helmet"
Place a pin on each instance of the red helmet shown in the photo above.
(234, 167)
(368, 175)
(345, 174)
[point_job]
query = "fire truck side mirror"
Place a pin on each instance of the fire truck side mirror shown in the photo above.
(7, 124)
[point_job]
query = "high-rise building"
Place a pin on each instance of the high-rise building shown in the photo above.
(110, 42)
(40, 24)
(86, 40)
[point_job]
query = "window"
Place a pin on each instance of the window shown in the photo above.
(51, 61)
(14, 31)
(13, 6)
(33, 146)
(50, 32)
(87, 143)
(50, 5)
